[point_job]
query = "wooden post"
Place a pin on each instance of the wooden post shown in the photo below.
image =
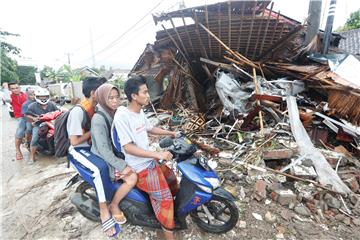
(257, 91)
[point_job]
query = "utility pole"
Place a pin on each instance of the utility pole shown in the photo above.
(313, 22)
(92, 49)
(68, 57)
(329, 25)
(181, 4)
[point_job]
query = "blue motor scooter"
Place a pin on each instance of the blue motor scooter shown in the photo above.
(211, 207)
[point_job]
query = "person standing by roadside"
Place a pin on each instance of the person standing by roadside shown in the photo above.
(6, 93)
(17, 99)
(28, 129)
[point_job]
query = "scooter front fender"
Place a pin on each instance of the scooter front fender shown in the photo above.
(73, 180)
(223, 193)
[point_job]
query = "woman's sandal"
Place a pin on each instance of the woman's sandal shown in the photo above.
(109, 224)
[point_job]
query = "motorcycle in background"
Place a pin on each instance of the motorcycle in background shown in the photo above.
(47, 131)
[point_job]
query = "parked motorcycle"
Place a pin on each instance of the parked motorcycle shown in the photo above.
(211, 207)
(46, 132)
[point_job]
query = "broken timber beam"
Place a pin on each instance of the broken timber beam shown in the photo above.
(273, 48)
(177, 46)
(235, 54)
(219, 64)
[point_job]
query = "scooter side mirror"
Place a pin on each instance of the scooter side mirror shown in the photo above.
(166, 142)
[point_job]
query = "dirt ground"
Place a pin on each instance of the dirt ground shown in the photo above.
(35, 206)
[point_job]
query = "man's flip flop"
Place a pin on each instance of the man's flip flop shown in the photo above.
(109, 224)
(120, 218)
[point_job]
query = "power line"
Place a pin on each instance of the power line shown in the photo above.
(113, 43)
(123, 45)
(116, 41)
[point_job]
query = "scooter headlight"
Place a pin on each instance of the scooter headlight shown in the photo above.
(215, 182)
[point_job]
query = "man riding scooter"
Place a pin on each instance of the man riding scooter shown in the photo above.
(133, 128)
(41, 106)
(151, 203)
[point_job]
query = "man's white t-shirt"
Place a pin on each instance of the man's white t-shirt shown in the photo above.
(132, 127)
(74, 125)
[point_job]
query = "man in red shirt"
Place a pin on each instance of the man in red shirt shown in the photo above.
(17, 99)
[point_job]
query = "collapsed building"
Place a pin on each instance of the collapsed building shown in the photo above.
(239, 68)
(188, 55)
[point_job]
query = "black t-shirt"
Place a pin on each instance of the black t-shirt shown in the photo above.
(35, 109)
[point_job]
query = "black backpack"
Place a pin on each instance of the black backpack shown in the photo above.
(61, 138)
(116, 152)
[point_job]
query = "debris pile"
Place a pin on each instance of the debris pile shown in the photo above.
(266, 110)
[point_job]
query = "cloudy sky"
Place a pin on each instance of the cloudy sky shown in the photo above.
(51, 31)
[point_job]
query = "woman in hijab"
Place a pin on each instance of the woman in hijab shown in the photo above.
(108, 97)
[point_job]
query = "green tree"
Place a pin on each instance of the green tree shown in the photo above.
(26, 74)
(51, 74)
(352, 23)
(119, 82)
(71, 75)
(8, 65)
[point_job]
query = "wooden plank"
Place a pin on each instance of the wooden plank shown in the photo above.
(207, 25)
(258, 34)
(266, 28)
(219, 26)
(203, 50)
(177, 46)
(251, 27)
(275, 28)
(271, 98)
(235, 54)
(278, 44)
(229, 23)
(241, 24)
(257, 91)
(219, 64)
(187, 32)
(177, 34)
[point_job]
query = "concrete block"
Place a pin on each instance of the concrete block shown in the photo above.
(283, 196)
(303, 171)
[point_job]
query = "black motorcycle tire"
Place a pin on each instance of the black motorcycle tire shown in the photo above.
(227, 226)
(82, 188)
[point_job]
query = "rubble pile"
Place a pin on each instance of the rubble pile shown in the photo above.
(277, 122)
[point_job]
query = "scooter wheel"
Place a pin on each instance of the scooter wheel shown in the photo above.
(224, 214)
(86, 190)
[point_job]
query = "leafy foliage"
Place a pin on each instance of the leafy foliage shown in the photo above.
(26, 74)
(8, 65)
(50, 74)
(71, 76)
(352, 23)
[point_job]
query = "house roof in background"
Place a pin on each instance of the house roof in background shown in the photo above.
(351, 42)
